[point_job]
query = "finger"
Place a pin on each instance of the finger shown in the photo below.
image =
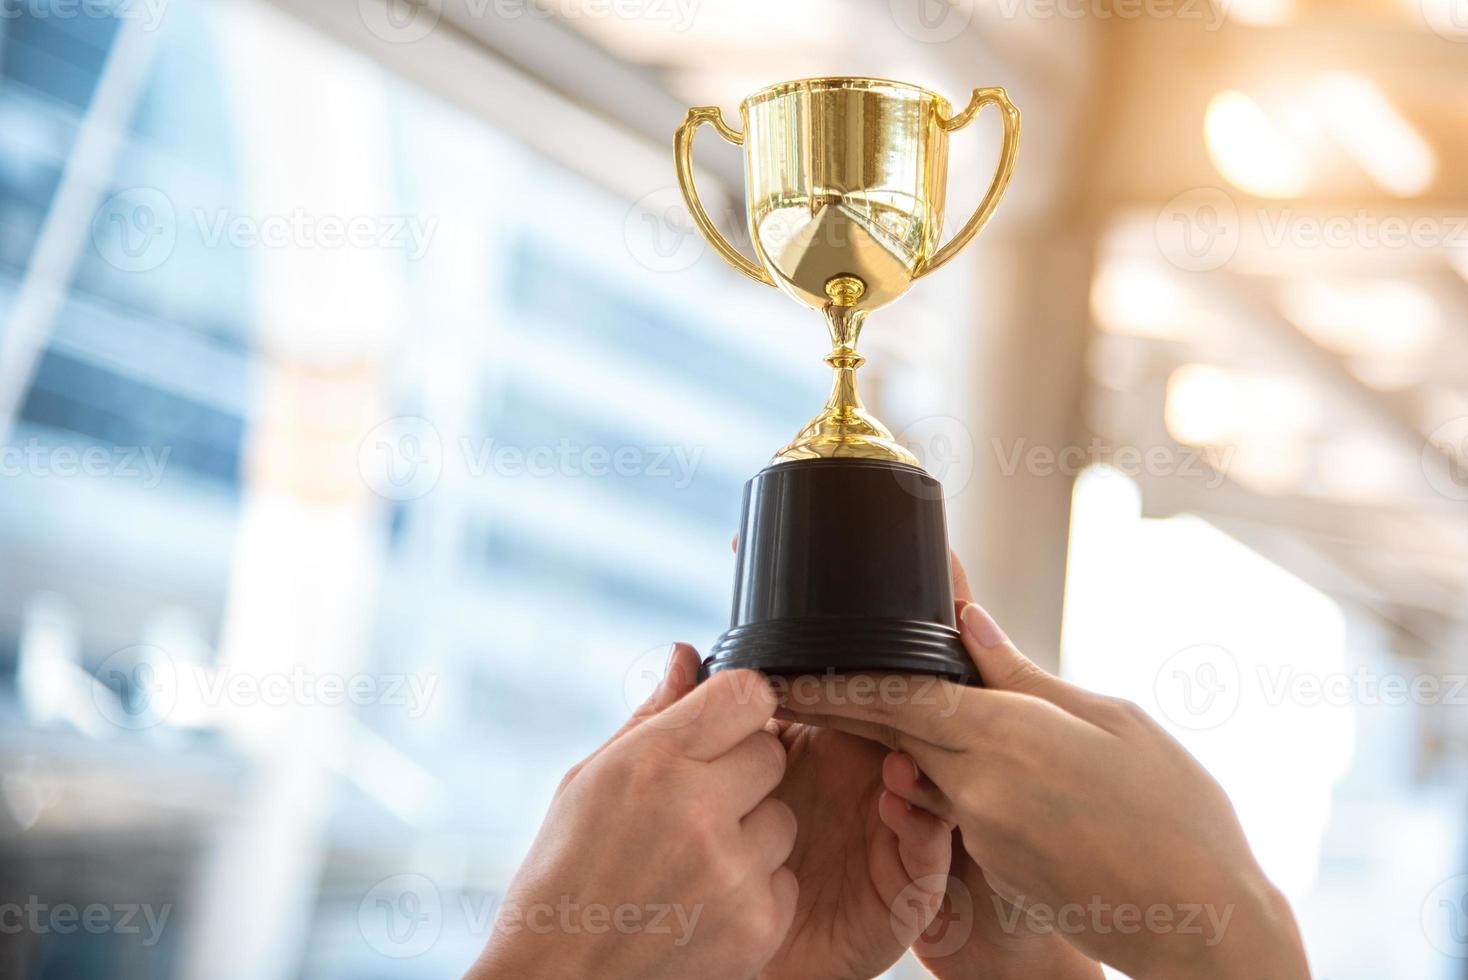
(909, 863)
(962, 591)
(1004, 668)
(901, 777)
(785, 890)
(750, 771)
(723, 711)
(1011, 895)
(679, 677)
(892, 738)
(769, 831)
(924, 842)
(894, 709)
(872, 732)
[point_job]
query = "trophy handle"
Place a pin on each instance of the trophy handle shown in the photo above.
(981, 97)
(683, 155)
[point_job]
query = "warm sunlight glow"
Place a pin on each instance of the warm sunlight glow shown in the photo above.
(1136, 298)
(1443, 17)
(1263, 421)
(1208, 405)
(1258, 13)
(1250, 150)
(1376, 135)
(1459, 259)
(1387, 327)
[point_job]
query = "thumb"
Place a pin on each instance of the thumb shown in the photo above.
(680, 677)
(727, 708)
(1003, 668)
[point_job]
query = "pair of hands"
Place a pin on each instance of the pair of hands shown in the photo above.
(675, 850)
(1004, 832)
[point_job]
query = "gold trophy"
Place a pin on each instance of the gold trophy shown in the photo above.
(843, 549)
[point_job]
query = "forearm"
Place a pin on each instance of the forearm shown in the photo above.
(1261, 941)
(1069, 964)
(1015, 958)
(501, 960)
(527, 955)
(1267, 946)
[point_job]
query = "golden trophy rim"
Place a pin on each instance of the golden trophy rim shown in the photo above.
(871, 83)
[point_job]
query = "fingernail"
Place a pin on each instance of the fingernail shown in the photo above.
(980, 626)
(912, 764)
(672, 659)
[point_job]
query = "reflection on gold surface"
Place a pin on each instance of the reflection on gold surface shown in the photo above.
(845, 181)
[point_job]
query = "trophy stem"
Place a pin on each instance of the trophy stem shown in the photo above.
(845, 324)
(844, 428)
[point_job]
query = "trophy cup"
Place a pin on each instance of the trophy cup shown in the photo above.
(842, 562)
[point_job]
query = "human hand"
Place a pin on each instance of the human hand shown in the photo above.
(976, 933)
(1082, 811)
(663, 852)
(871, 870)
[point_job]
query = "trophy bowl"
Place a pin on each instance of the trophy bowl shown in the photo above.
(842, 560)
(845, 177)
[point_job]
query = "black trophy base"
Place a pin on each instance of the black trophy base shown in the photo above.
(842, 567)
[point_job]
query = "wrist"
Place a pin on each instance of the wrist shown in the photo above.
(1254, 937)
(1268, 944)
(1074, 967)
(525, 958)
(1048, 956)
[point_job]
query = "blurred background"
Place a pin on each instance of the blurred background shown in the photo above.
(372, 416)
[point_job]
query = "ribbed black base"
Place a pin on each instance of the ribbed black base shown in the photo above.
(842, 566)
(845, 646)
